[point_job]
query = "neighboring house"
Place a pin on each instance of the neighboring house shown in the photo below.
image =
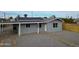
(37, 24)
(76, 21)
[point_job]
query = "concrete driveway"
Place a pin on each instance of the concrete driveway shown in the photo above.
(54, 39)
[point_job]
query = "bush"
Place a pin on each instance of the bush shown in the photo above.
(68, 20)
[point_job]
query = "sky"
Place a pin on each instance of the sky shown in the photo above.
(74, 14)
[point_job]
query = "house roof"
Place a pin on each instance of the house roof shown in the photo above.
(24, 20)
(58, 20)
(29, 19)
(35, 19)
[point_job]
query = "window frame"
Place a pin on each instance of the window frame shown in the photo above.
(55, 25)
(27, 25)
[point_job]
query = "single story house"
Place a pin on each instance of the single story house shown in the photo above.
(37, 24)
(23, 25)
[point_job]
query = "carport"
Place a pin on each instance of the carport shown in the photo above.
(19, 25)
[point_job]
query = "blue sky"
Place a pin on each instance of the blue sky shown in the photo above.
(74, 14)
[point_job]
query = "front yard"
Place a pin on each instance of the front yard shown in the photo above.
(44, 39)
(55, 39)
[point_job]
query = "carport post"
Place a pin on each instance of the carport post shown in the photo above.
(45, 27)
(19, 29)
(38, 28)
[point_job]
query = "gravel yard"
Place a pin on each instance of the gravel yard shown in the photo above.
(55, 39)
(44, 39)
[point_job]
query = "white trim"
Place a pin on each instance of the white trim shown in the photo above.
(19, 29)
(38, 28)
(26, 22)
(21, 22)
(45, 27)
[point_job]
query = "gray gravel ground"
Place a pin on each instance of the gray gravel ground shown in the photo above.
(46, 39)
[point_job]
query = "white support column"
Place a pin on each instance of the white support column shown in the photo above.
(45, 27)
(38, 28)
(19, 29)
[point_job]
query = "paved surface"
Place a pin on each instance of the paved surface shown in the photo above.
(46, 39)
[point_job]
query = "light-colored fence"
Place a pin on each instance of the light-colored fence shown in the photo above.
(71, 27)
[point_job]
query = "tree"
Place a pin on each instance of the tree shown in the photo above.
(53, 17)
(68, 20)
(45, 17)
(11, 17)
(25, 15)
(18, 16)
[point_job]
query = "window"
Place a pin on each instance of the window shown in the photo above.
(27, 25)
(55, 25)
(39, 25)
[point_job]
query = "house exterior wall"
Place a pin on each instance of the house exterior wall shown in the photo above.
(51, 29)
(48, 27)
(59, 28)
(31, 29)
(34, 28)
